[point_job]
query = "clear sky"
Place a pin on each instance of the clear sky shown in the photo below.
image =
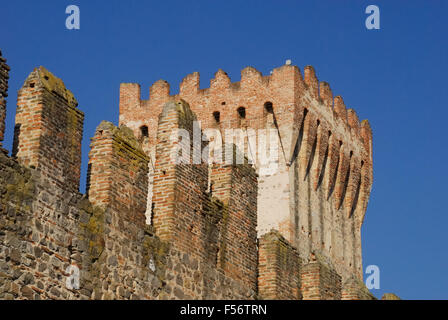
(395, 77)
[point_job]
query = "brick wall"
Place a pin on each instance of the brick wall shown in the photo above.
(4, 76)
(235, 186)
(278, 268)
(319, 192)
(48, 130)
(214, 230)
(320, 281)
(202, 241)
(354, 289)
(45, 229)
(118, 170)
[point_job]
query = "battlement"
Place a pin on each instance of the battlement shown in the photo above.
(324, 161)
(48, 129)
(223, 95)
(153, 227)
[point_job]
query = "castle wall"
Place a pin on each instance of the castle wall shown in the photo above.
(354, 289)
(49, 232)
(315, 194)
(319, 281)
(202, 241)
(40, 236)
(203, 224)
(279, 266)
(4, 76)
(48, 129)
(179, 188)
(41, 214)
(122, 248)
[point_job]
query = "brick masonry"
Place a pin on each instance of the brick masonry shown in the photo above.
(279, 268)
(320, 281)
(320, 191)
(48, 129)
(204, 221)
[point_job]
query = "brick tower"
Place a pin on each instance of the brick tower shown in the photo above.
(317, 193)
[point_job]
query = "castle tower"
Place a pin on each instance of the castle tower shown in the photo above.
(315, 189)
(48, 129)
(4, 76)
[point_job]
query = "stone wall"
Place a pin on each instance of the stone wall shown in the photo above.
(41, 236)
(320, 281)
(279, 268)
(202, 241)
(48, 129)
(49, 232)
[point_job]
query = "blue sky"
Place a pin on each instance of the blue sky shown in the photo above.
(395, 77)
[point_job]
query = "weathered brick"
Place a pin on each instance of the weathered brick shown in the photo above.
(202, 241)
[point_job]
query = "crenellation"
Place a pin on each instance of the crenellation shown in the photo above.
(354, 289)
(317, 135)
(250, 78)
(279, 266)
(179, 188)
(159, 222)
(130, 94)
(319, 281)
(221, 81)
(118, 171)
(236, 187)
(159, 92)
(48, 129)
(340, 109)
(190, 84)
(326, 94)
(353, 121)
(311, 81)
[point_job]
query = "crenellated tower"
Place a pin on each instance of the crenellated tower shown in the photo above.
(315, 192)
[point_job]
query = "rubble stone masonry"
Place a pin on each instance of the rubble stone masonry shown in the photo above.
(149, 227)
